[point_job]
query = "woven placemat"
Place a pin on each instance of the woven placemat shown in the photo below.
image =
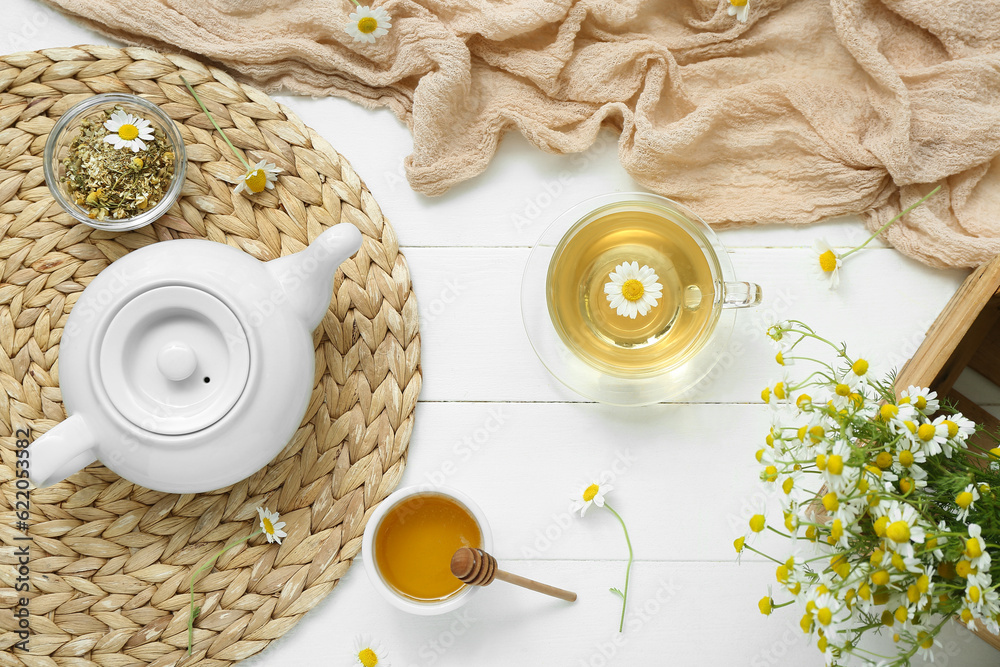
(110, 561)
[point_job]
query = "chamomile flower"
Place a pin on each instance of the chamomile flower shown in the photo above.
(633, 290)
(780, 336)
(925, 646)
(739, 9)
(591, 495)
(368, 653)
(259, 177)
(921, 398)
(903, 529)
(128, 131)
(270, 525)
(966, 501)
(826, 263)
(366, 24)
(975, 548)
(858, 375)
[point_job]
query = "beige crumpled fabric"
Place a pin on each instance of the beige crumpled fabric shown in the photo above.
(812, 108)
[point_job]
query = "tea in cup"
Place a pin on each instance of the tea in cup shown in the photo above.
(628, 298)
(409, 542)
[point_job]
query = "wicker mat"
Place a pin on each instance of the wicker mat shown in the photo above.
(110, 561)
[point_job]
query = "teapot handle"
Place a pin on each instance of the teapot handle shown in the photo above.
(61, 451)
(741, 295)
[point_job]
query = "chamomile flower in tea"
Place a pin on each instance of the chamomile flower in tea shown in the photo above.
(115, 184)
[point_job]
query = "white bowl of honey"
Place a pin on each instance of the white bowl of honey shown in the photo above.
(408, 545)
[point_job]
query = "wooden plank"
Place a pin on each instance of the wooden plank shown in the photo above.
(933, 361)
(986, 360)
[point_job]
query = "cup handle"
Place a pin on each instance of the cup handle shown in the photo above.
(741, 295)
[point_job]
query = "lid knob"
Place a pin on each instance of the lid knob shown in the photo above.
(176, 361)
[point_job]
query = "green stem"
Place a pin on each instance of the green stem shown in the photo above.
(897, 217)
(208, 564)
(214, 124)
(628, 569)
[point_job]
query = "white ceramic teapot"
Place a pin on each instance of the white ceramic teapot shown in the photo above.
(187, 365)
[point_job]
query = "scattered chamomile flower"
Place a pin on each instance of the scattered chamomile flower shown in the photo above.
(591, 495)
(739, 9)
(270, 525)
(633, 290)
(128, 131)
(368, 653)
(367, 24)
(594, 494)
(259, 177)
(827, 263)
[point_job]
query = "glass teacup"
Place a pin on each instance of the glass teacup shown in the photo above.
(629, 298)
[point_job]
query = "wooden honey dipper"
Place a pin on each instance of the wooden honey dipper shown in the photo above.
(477, 568)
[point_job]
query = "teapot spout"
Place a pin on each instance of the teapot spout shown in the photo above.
(306, 277)
(61, 451)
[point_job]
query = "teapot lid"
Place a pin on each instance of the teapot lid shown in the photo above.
(174, 360)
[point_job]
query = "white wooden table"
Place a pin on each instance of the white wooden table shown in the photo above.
(494, 424)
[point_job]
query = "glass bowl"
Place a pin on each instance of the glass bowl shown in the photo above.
(66, 131)
(616, 386)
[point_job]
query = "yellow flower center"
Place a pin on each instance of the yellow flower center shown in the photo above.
(590, 492)
(366, 656)
(765, 606)
(128, 132)
(964, 499)
(926, 432)
(972, 548)
(824, 616)
(966, 615)
(964, 569)
(880, 578)
(738, 3)
(828, 261)
(757, 523)
(898, 531)
(901, 614)
(842, 389)
(786, 486)
(738, 544)
(268, 526)
(256, 181)
(367, 25)
(888, 411)
(770, 473)
(883, 460)
(906, 458)
(952, 428)
(920, 403)
(780, 358)
(835, 464)
(860, 367)
(974, 593)
(830, 502)
(633, 290)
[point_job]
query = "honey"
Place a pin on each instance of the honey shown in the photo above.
(415, 542)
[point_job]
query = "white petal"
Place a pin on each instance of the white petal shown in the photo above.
(611, 288)
(617, 278)
(617, 301)
(138, 145)
(112, 139)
